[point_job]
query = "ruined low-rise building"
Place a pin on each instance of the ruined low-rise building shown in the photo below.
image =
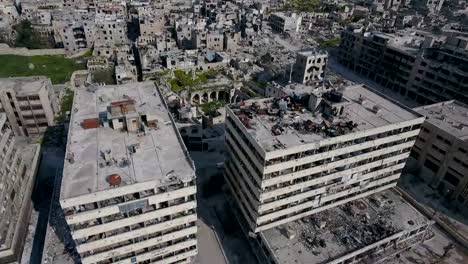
(363, 231)
(128, 190)
(292, 158)
(18, 167)
(151, 21)
(309, 66)
(284, 22)
(110, 32)
(74, 30)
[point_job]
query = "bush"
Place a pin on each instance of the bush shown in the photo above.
(26, 37)
(182, 79)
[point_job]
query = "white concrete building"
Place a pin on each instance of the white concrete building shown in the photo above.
(292, 158)
(29, 103)
(340, 235)
(128, 188)
(284, 22)
(442, 150)
(18, 166)
(309, 66)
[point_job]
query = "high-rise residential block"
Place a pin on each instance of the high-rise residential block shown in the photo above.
(18, 165)
(128, 188)
(293, 157)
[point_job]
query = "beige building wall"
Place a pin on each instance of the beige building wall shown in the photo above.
(135, 223)
(29, 104)
(17, 176)
(443, 156)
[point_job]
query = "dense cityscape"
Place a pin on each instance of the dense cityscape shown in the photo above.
(233, 132)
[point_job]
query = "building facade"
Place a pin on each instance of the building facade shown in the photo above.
(285, 22)
(425, 68)
(30, 104)
(309, 66)
(18, 166)
(290, 159)
(442, 149)
(137, 203)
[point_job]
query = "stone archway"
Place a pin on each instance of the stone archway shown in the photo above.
(223, 96)
(213, 96)
(205, 98)
(196, 99)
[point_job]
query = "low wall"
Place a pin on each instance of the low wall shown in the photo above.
(431, 214)
(6, 50)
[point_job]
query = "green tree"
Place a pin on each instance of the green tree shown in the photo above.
(27, 37)
(302, 5)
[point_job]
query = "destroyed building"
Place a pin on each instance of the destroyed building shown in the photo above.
(363, 231)
(18, 167)
(110, 32)
(74, 30)
(293, 157)
(285, 22)
(442, 148)
(128, 188)
(309, 66)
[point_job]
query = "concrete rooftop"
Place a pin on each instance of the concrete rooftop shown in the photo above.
(362, 114)
(160, 155)
(333, 233)
(450, 116)
(24, 85)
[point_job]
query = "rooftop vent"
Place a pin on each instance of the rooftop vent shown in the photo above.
(362, 99)
(114, 180)
(376, 109)
(71, 157)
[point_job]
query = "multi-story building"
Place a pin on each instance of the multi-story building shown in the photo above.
(292, 158)
(418, 65)
(336, 236)
(151, 21)
(30, 104)
(128, 188)
(18, 165)
(110, 32)
(74, 30)
(310, 66)
(441, 150)
(285, 22)
(434, 6)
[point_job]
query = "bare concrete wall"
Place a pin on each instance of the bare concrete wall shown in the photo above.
(6, 50)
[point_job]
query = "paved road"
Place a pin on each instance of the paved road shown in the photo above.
(209, 249)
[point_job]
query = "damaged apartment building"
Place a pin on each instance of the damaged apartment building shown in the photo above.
(29, 103)
(309, 66)
(18, 167)
(128, 190)
(423, 67)
(74, 30)
(292, 158)
(441, 150)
